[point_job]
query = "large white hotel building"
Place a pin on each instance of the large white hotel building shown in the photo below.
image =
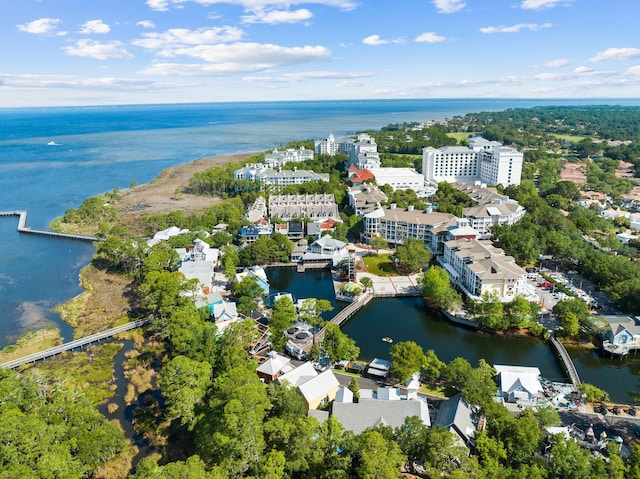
(488, 161)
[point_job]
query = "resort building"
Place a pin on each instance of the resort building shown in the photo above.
(491, 209)
(477, 267)
(362, 151)
(398, 178)
(396, 225)
(326, 251)
(258, 172)
(365, 198)
(315, 207)
(484, 160)
(290, 155)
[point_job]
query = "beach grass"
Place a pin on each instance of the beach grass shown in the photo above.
(31, 343)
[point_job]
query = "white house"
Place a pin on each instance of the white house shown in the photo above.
(316, 389)
(519, 383)
(291, 155)
(326, 249)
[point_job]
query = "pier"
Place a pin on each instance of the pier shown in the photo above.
(76, 344)
(566, 361)
(23, 228)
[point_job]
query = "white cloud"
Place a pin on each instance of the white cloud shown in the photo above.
(616, 54)
(41, 26)
(540, 4)
(350, 84)
(582, 69)
(313, 75)
(223, 59)
(560, 62)
(179, 37)
(634, 70)
(251, 5)
(97, 50)
(430, 37)
(375, 40)
(273, 17)
(449, 6)
(516, 28)
(146, 24)
(94, 26)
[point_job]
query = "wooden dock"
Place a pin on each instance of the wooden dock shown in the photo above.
(23, 228)
(569, 367)
(76, 344)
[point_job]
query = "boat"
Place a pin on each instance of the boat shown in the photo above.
(387, 339)
(53, 143)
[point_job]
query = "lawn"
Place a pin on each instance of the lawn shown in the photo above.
(571, 138)
(380, 265)
(460, 135)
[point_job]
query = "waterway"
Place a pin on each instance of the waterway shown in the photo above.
(406, 319)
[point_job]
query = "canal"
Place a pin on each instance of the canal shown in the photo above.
(405, 319)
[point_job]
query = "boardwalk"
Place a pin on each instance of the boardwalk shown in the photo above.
(566, 360)
(347, 312)
(23, 228)
(76, 344)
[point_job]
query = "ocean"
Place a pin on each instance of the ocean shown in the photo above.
(51, 159)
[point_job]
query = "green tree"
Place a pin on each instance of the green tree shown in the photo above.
(312, 309)
(433, 367)
(457, 372)
(378, 243)
(593, 393)
(366, 282)
(282, 317)
(338, 345)
(247, 291)
(413, 255)
(436, 288)
(229, 261)
(183, 383)
(407, 357)
(354, 387)
(379, 458)
(161, 292)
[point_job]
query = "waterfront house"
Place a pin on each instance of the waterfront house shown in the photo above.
(326, 250)
(459, 418)
(519, 384)
(257, 272)
(623, 334)
(166, 234)
(388, 407)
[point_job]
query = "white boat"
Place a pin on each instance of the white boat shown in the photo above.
(53, 143)
(387, 339)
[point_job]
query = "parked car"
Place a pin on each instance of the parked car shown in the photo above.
(602, 409)
(632, 411)
(617, 409)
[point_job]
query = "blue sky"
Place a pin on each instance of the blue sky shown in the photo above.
(89, 52)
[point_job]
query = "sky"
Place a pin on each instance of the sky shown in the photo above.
(102, 52)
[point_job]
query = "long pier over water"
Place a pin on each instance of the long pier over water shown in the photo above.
(566, 360)
(23, 228)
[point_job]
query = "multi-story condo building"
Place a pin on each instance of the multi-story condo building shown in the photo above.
(290, 155)
(396, 225)
(267, 176)
(491, 209)
(317, 207)
(398, 178)
(365, 198)
(477, 267)
(362, 151)
(487, 161)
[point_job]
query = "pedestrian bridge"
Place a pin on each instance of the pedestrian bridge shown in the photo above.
(76, 344)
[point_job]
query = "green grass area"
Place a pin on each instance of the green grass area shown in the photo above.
(380, 265)
(461, 135)
(571, 138)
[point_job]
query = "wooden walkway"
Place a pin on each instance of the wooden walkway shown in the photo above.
(23, 228)
(76, 344)
(346, 313)
(566, 360)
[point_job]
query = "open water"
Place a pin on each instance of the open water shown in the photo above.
(98, 148)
